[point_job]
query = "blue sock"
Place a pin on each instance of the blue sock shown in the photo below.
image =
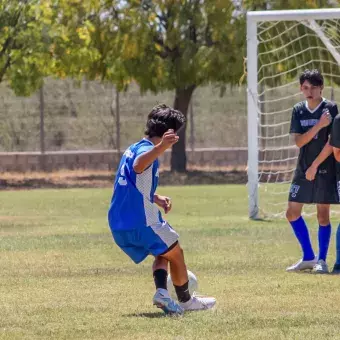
(301, 233)
(324, 236)
(338, 245)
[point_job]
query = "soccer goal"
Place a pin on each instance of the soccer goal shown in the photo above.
(280, 45)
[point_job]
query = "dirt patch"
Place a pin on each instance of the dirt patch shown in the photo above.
(102, 179)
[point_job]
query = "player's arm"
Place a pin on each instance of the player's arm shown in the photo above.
(323, 155)
(336, 152)
(143, 161)
(305, 138)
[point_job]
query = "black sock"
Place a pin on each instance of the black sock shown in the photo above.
(183, 292)
(160, 277)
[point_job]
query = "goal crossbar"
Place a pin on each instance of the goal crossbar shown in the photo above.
(293, 15)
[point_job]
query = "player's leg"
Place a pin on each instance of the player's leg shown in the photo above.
(178, 271)
(160, 272)
(336, 268)
(179, 276)
(324, 236)
(136, 245)
(293, 215)
(161, 240)
(162, 298)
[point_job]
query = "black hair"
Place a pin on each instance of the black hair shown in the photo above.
(312, 76)
(161, 119)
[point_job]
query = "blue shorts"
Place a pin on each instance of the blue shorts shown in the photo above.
(143, 241)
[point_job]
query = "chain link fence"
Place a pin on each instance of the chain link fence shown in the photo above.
(67, 116)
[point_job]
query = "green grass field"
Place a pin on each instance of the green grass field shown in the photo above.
(62, 277)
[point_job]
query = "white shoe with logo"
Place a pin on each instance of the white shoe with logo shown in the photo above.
(198, 303)
(302, 265)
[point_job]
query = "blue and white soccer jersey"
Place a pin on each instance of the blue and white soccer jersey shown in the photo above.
(136, 223)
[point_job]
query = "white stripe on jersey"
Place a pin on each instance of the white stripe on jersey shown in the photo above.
(166, 233)
(144, 186)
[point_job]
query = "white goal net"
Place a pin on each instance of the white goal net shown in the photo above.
(280, 45)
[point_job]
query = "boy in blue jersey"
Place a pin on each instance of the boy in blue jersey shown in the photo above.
(314, 180)
(136, 223)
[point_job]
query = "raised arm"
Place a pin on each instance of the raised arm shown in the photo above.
(143, 161)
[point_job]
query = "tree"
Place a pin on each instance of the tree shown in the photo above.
(87, 44)
(87, 38)
(25, 58)
(162, 45)
(180, 45)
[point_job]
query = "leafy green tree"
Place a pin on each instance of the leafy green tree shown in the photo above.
(162, 45)
(25, 57)
(180, 45)
(89, 41)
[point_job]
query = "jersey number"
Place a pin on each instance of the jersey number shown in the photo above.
(122, 179)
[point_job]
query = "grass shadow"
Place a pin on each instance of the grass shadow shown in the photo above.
(153, 315)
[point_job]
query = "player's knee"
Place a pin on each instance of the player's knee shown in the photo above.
(176, 254)
(323, 218)
(292, 215)
(323, 214)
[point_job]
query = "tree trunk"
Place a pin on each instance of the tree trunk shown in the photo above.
(178, 156)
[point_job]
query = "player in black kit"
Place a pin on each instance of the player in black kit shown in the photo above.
(314, 180)
(335, 143)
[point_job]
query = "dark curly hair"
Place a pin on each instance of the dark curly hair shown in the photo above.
(313, 76)
(161, 119)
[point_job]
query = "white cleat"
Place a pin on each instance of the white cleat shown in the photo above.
(320, 267)
(302, 265)
(198, 303)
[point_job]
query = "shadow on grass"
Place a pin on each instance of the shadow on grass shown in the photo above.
(153, 315)
(261, 219)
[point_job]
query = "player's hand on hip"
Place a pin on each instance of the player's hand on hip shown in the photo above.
(311, 172)
(325, 119)
(169, 138)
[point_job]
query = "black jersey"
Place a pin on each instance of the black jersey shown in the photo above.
(335, 134)
(303, 119)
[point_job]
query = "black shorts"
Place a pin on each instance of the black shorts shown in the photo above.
(323, 190)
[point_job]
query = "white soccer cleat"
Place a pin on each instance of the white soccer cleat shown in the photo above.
(198, 303)
(320, 267)
(301, 265)
(163, 300)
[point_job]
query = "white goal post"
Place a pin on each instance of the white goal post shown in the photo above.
(280, 45)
